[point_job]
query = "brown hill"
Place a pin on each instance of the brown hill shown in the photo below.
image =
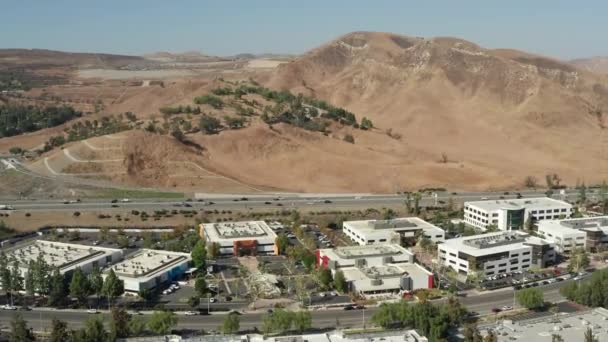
(594, 64)
(503, 111)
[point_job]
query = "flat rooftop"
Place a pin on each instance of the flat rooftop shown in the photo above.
(237, 230)
(148, 262)
(368, 251)
(490, 243)
(65, 256)
(530, 203)
(566, 226)
(571, 327)
(390, 276)
(403, 223)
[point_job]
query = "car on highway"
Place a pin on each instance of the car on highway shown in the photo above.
(496, 310)
(327, 201)
(506, 308)
(191, 313)
(9, 307)
(114, 201)
(349, 307)
(125, 200)
(92, 311)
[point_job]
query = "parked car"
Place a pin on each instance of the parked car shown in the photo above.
(191, 313)
(92, 311)
(506, 308)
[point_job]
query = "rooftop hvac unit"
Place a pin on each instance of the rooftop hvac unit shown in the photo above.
(360, 263)
(406, 283)
(387, 260)
(376, 282)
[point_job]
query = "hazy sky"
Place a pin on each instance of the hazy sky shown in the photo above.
(560, 28)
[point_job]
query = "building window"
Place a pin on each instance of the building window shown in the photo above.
(502, 265)
(452, 254)
(382, 240)
(526, 253)
(514, 268)
(452, 262)
(526, 260)
(489, 267)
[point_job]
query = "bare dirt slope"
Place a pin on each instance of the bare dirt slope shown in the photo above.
(503, 113)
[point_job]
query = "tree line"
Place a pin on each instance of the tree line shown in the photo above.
(593, 292)
(42, 279)
(431, 320)
(18, 119)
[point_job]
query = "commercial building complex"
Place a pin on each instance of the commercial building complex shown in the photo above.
(399, 230)
(512, 214)
(147, 269)
(587, 232)
(65, 256)
(240, 238)
(493, 253)
(569, 326)
(376, 268)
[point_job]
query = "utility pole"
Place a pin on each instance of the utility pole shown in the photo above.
(364, 318)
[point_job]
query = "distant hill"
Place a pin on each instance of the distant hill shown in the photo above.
(593, 64)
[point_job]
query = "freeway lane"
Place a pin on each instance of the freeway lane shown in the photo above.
(482, 303)
(232, 202)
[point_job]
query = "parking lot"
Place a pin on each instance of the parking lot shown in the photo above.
(523, 279)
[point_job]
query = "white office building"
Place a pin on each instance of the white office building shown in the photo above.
(399, 230)
(240, 238)
(494, 253)
(377, 268)
(147, 268)
(65, 256)
(590, 233)
(512, 214)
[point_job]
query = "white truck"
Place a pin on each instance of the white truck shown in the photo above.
(6, 207)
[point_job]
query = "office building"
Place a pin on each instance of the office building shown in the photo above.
(400, 230)
(240, 238)
(147, 269)
(378, 268)
(590, 233)
(493, 253)
(512, 214)
(65, 256)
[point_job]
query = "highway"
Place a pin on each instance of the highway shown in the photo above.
(272, 201)
(482, 303)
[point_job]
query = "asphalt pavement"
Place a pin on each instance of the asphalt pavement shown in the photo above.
(269, 201)
(481, 303)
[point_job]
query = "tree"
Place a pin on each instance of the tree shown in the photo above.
(569, 290)
(137, 326)
(491, 337)
(214, 250)
(603, 195)
(366, 124)
(340, 282)
(531, 298)
(232, 323)
(58, 288)
(417, 197)
(194, 301)
(325, 277)
(119, 324)
(59, 331)
(122, 241)
(234, 122)
(16, 280)
(582, 194)
(19, 330)
(5, 272)
(42, 273)
(95, 281)
(199, 255)
(529, 225)
(162, 322)
(104, 233)
(94, 330)
(16, 150)
(579, 260)
(112, 286)
(209, 124)
(349, 138)
(79, 286)
(589, 336)
(200, 285)
(556, 338)
(302, 320)
(530, 182)
(472, 334)
(282, 242)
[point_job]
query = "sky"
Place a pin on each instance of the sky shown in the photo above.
(558, 28)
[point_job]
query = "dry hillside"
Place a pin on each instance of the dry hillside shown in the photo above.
(446, 112)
